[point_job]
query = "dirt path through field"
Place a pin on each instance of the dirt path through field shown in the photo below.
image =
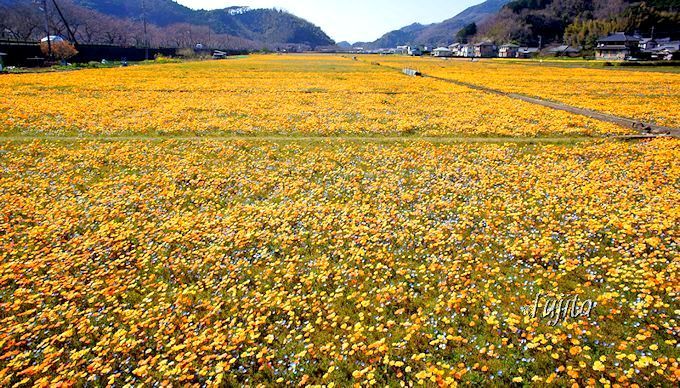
(622, 121)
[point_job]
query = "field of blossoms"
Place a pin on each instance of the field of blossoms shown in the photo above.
(265, 95)
(652, 97)
(251, 262)
(273, 225)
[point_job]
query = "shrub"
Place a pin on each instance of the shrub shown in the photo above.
(60, 50)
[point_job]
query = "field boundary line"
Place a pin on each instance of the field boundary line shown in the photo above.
(310, 139)
(643, 128)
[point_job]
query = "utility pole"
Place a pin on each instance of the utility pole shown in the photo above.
(146, 38)
(63, 19)
(47, 29)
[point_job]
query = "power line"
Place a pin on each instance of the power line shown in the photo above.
(63, 19)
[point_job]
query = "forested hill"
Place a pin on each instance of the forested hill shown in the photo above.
(169, 23)
(579, 22)
(262, 25)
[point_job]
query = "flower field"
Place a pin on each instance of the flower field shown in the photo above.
(651, 97)
(320, 221)
(264, 95)
(252, 262)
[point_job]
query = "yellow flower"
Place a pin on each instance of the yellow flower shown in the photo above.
(598, 366)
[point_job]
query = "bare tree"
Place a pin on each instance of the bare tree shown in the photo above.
(21, 21)
(25, 21)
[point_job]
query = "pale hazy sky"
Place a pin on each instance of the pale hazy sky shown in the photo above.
(353, 20)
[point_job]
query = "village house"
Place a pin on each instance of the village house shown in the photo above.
(217, 54)
(414, 51)
(528, 52)
(467, 51)
(666, 50)
(485, 50)
(618, 46)
(660, 49)
(455, 49)
(508, 51)
(648, 44)
(442, 52)
(401, 50)
(564, 51)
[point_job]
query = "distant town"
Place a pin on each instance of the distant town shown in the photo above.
(617, 46)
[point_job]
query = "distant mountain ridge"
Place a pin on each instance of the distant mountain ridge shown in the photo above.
(436, 34)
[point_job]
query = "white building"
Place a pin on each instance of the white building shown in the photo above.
(467, 51)
(442, 52)
(52, 39)
(508, 51)
(455, 49)
(401, 50)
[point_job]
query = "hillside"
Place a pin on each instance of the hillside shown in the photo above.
(262, 25)
(444, 32)
(579, 22)
(437, 33)
(169, 23)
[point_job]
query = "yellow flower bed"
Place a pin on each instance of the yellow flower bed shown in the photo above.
(239, 263)
(652, 97)
(264, 95)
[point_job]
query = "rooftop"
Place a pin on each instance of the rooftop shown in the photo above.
(564, 48)
(619, 37)
(614, 47)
